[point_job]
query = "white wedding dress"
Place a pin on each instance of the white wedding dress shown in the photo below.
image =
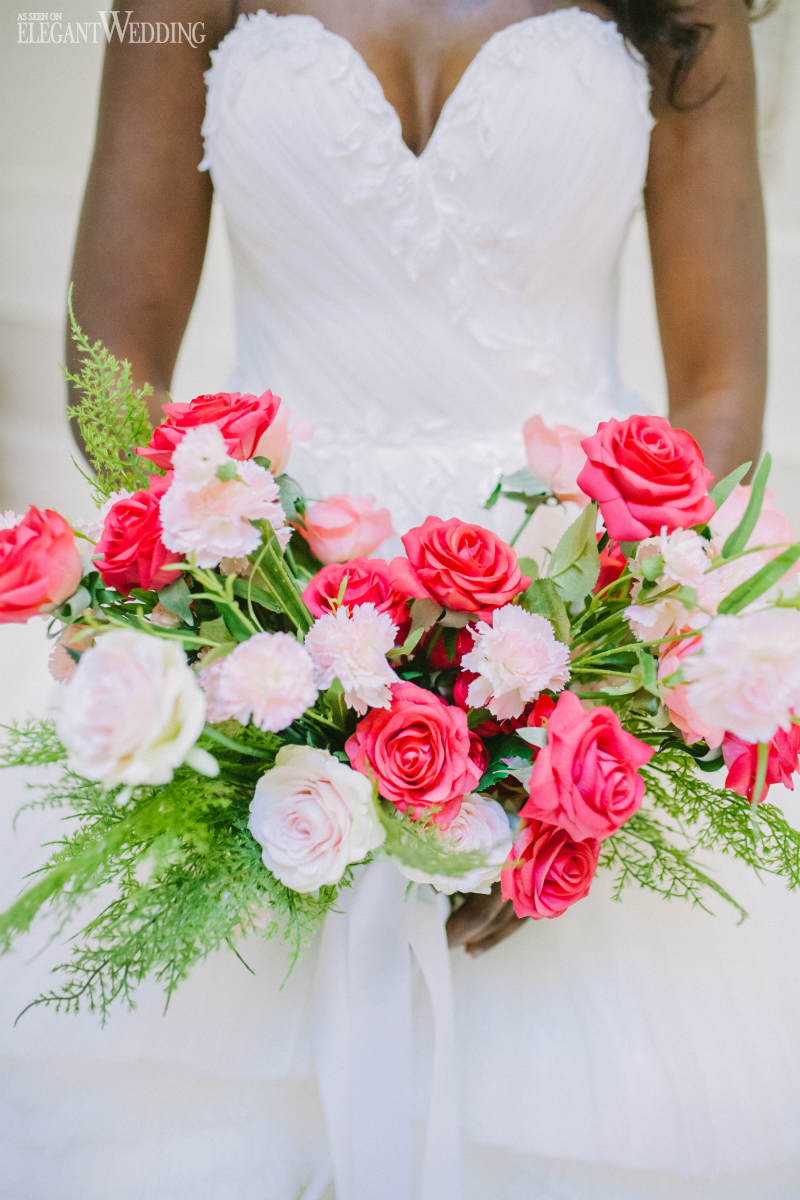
(417, 310)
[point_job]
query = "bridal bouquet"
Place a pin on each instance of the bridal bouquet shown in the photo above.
(252, 707)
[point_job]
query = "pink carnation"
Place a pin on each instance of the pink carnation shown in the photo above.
(268, 680)
(352, 648)
(514, 659)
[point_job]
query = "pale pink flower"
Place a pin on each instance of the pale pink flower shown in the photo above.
(773, 527)
(269, 680)
(313, 816)
(676, 697)
(746, 675)
(480, 825)
(515, 658)
(199, 455)
(216, 521)
(132, 711)
(666, 617)
(556, 457)
(208, 677)
(9, 519)
(345, 527)
(352, 648)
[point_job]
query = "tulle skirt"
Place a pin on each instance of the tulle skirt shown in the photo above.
(641, 1049)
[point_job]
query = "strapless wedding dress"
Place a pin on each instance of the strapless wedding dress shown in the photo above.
(416, 310)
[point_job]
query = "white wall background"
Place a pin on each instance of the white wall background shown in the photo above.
(49, 99)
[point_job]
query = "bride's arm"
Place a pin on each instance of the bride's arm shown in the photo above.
(706, 222)
(144, 222)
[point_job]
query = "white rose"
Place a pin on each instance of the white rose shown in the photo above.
(481, 825)
(132, 711)
(312, 816)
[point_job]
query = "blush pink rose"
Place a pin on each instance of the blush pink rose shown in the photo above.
(40, 566)
(251, 426)
(131, 553)
(556, 456)
(359, 581)
(741, 759)
(676, 698)
(547, 871)
(586, 779)
(419, 750)
(342, 528)
(773, 528)
(646, 476)
(462, 567)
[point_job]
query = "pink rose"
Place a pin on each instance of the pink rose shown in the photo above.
(556, 456)
(251, 426)
(586, 779)
(131, 553)
(40, 566)
(683, 716)
(773, 528)
(438, 655)
(547, 871)
(360, 581)
(741, 759)
(462, 567)
(646, 476)
(419, 751)
(342, 528)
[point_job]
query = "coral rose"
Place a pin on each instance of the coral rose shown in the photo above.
(548, 871)
(342, 528)
(462, 567)
(131, 552)
(359, 581)
(646, 476)
(741, 759)
(251, 426)
(419, 752)
(40, 566)
(586, 779)
(556, 456)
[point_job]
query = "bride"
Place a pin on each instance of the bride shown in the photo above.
(426, 205)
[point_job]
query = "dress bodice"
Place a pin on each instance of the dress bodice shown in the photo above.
(429, 302)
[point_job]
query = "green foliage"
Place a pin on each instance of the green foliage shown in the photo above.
(111, 414)
(738, 540)
(422, 848)
(575, 563)
(30, 744)
(761, 582)
(542, 596)
(181, 871)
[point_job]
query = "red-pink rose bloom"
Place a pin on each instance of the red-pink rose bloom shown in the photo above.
(555, 455)
(245, 422)
(40, 566)
(462, 567)
(130, 553)
(646, 476)
(360, 581)
(419, 752)
(741, 759)
(586, 779)
(612, 564)
(438, 655)
(547, 870)
(342, 528)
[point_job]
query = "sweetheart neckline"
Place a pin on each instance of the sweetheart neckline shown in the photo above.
(571, 11)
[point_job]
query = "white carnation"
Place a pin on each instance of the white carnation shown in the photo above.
(132, 711)
(515, 658)
(269, 680)
(352, 648)
(313, 816)
(481, 825)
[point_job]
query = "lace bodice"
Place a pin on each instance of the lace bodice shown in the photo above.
(418, 309)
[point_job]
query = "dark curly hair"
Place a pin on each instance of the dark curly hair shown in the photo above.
(672, 29)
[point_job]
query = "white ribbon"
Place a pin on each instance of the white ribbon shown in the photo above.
(363, 1043)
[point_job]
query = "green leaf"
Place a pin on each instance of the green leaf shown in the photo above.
(243, 588)
(227, 471)
(235, 625)
(293, 501)
(722, 490)
(176, 598)
(738, 540)
(529, 567)
(77, 603)
(495, 496)
(523, 483)
(575, 563)
(543, 597)
(761, 582)
(653, 566)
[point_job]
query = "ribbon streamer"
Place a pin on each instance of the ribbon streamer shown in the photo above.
(363, 1042)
